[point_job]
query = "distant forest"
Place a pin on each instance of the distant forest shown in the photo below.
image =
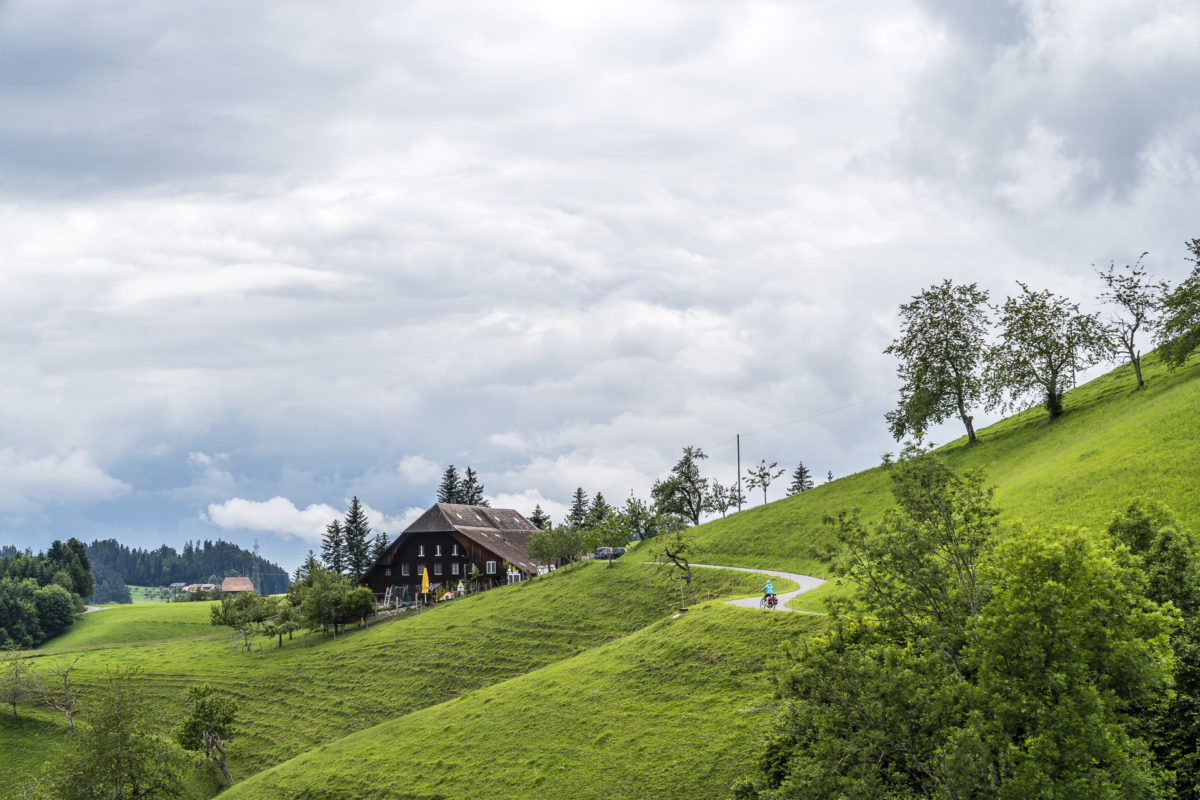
(116, 567)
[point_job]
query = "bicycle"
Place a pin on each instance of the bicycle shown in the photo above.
(768, 602)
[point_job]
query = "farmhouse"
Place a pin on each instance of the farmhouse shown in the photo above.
(236, 586)
(449, 540)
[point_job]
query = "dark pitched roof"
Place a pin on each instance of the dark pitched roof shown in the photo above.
(502, 531)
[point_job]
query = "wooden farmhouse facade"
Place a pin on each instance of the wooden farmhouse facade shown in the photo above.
(449, 540)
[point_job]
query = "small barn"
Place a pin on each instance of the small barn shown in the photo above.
(448, 540)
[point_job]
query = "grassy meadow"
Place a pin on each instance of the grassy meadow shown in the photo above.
(1113, 444)
(316, 689)
(585, 683)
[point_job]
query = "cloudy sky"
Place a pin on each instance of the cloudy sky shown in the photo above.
(256, 259)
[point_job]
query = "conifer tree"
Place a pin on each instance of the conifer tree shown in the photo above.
(598, 511)
(358, 540)
(801, 480)
(379, 545)
(305, 568)
(539, 517)
(450, 490)
(333, 548)
(471, 490)
(829, 476)
(577, 518)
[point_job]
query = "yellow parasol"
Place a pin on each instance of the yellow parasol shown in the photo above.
(425, 581)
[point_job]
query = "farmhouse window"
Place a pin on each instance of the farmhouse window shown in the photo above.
(387, 570)
(454, 549)
(437, 549)
(491, 568)
(437, 568)
(420, 551)
(404, 570)
(454, 568)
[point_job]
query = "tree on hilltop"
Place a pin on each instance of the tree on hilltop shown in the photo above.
(1179, 335)
(684, 491)
(577, 516)
(801, 480)
(763, 475)
(539, 518)
(940, 351)
(1137, 297)
(1044, 340)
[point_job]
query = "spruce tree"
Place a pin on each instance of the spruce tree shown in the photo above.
(829, 477)
(577, 518)
(471, 490)
(379, 545)
(451, 489)
(358, 540)
(598, 511)
(539, 517)
(801, 480)
(333, 548)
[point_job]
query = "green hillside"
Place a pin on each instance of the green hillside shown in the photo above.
(317, 689)
(579, 684)
(1113, 444)
(670, 711)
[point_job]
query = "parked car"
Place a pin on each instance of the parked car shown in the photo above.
(609, 552)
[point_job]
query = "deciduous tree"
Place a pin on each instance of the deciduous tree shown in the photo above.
(209, 726)
(763, 475)
(940, 352)
(17, 681)
(1136, 298)
(1179, 335)
(63, 699)
(671, 548)
(721, 498)
(117, 755)
(1044, 341)
(684, 491)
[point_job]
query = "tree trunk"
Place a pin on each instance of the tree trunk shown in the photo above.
(966, 418)
(1137, 368)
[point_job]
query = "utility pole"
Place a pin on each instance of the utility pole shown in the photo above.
(739, 483)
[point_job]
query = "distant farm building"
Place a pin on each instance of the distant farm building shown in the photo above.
(236, 585)
(199, 587)
(453, 542)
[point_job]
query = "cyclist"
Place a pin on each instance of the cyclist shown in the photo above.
(768, 592)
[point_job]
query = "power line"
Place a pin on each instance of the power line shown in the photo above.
(827, 412)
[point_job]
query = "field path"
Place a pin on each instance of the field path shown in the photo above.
(807, 583)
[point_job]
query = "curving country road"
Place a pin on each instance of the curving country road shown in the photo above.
(806, 582)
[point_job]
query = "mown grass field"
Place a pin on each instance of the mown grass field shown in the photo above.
(317, 689)
(670, 711)
(1112, 445)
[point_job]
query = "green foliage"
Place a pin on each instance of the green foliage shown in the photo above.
(1044, 341)
(940, 352)
(539, 518)
(358, 540)
(612, 530)
(209, 725)
(450, 490)
(762, 476)
(577, 516)
(471, 490)
(358, 603)
(801, 480)
(117, 755)
(1179, 335)
(245, 612)
(333, 547)
(17, 681)
(321, 598)
(1137, 297)
(969, 664)
(684, 491)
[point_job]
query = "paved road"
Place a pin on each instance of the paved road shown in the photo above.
(807, 583)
